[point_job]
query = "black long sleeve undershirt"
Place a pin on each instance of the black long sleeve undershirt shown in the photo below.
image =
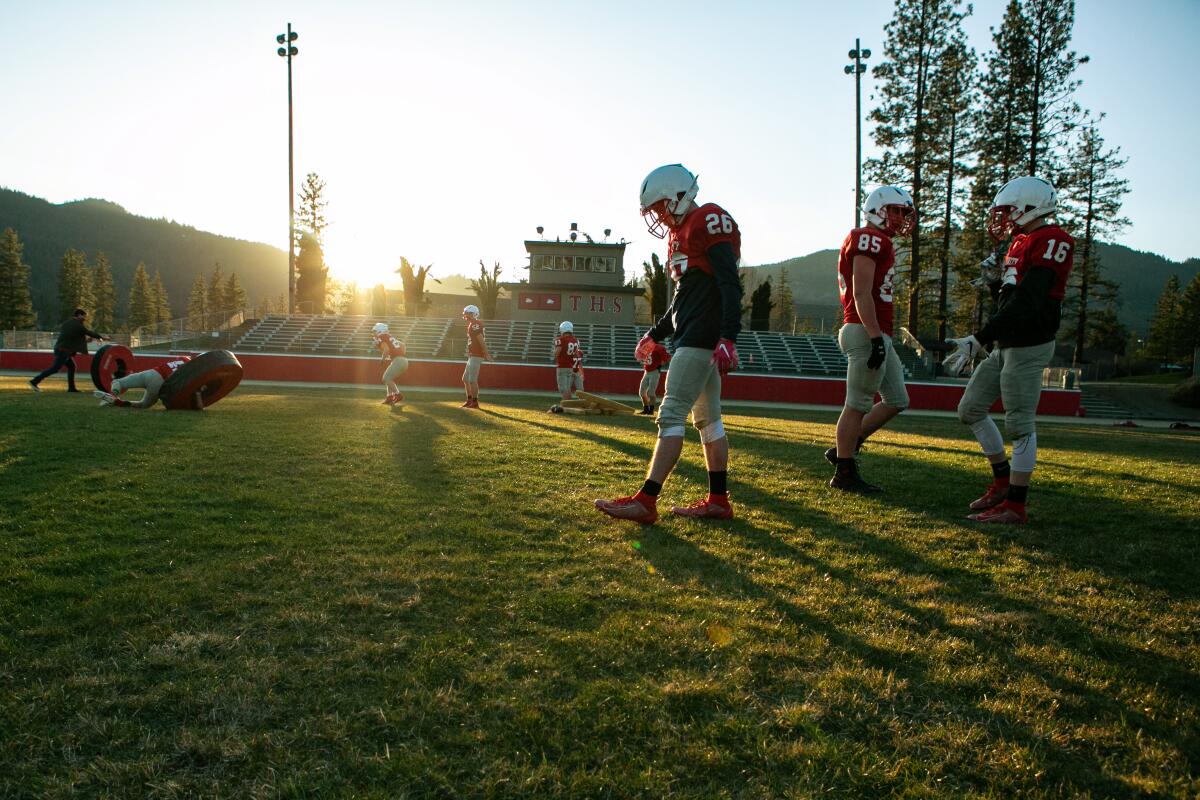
(1027, 315)
(705, 308)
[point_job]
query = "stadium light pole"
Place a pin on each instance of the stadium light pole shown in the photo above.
(857, 69)
(287, 51)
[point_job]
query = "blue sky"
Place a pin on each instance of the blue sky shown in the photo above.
(447, 131)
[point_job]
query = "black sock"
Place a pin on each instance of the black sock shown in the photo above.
(858, 446)
(717, 482)
(1001, 470)
(845, 465)
(1017, 494)
(651, 488)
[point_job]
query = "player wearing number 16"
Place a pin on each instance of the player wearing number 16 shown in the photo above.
(704, 319)
(1029, 294)
(866, 268)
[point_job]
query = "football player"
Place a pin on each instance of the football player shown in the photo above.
(394, 354)
(866, 268)
(568, 361)
(652, 367)
(1029, 292)
(477, 353)
(704, 319)
(151, 380)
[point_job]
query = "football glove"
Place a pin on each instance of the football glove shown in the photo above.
(989, 272)
(725, 356)
(645, 347)
(878, 353)
(965, 350)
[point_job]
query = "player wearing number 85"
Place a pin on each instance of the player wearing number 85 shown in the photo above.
(704, 319)
(866, 268)
(1029, 293)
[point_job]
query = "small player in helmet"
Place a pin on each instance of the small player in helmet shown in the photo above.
(394, 354)
(704, 319)
(1029, 290)
(568, 361)
(866, 267)
(477, 353)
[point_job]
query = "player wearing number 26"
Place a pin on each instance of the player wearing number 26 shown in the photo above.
(704, 319)
(1029, 292)
(866, 268)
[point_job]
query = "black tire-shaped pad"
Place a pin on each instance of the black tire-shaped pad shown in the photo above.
(111, 361)
(201, 382)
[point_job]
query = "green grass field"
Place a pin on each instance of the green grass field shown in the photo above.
(301, 594)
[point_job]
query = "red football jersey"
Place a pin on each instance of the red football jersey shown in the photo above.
(168, 369)
(475, 338)
(570, 354)
(703, 227)
(390, 344)
(1049, 246)
(658, 357)
(877, 246)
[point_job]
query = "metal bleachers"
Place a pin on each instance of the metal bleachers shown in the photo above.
(522, 341)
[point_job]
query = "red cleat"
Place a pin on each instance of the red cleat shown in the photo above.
(629, 508)
(389, 400)
(469, 404)
(994, 496)
(708, 508)
(1004, 514)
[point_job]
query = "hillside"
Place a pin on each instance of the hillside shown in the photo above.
(1140, 275)
(178, 251)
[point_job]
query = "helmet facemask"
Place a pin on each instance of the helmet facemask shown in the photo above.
(1000, 222)
(899, 220)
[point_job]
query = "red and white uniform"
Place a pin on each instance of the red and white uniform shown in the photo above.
(168, 369)
(569, 353)
(703, 227)
(877, 246)
(1049, 246)
(475, 345)
(389, 345)
(657, 359)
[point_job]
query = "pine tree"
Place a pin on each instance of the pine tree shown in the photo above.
(1189, 316)
(311, 275)
(162, 306)
(16, 307)
(760, 307)
(1052, 110)
(783, 318)
(1091, 198)
(74, 284)
(906, 122)
(1106, 331)
(103, 316)
(216, 291)
(235, 295)
(1164, 343)
(142, 308)
(197, 310)
(312, 208)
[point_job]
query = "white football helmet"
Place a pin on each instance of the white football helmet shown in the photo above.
(380, 327)
(565, 327)
(1020, 202)
(471, 312)
(668, 193)
(891, 208)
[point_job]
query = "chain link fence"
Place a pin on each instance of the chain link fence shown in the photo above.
(217, 330)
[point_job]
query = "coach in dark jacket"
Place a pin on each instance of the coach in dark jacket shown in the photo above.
(72, 339)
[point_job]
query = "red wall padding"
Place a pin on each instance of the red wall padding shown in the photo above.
(331, 369)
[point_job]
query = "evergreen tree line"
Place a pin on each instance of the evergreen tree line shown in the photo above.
(954, 128)
(1175, 330)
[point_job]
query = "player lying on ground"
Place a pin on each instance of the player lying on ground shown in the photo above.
(393, 353)
(1029, 291)
(704, 318)
(568, 361)
(866, 267)
(151, 380)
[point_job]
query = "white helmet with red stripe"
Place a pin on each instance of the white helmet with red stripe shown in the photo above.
(471, 312)
(668, 193)
(1020, 202)
(891, 209)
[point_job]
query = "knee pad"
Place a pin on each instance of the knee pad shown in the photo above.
(712, 432)
(898, 407)
(670, 431)
(969, 415)
(988, 436)
(1024, 453)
